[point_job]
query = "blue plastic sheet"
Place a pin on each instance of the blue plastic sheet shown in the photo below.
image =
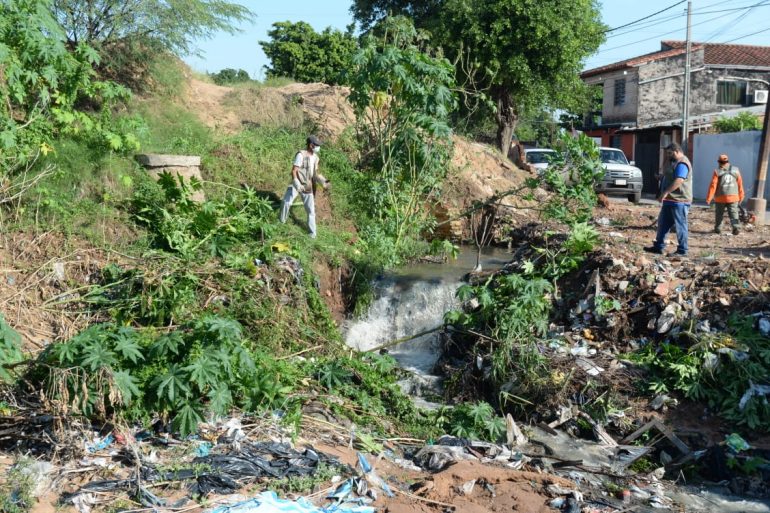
(268, 502)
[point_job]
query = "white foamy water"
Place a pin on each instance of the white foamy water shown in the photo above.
(412, 300)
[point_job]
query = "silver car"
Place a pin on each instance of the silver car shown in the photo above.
(621, 178)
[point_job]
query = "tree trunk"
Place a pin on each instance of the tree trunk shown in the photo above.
(506, 119)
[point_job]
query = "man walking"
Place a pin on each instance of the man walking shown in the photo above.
(304, 174)
(726, 190)
(675, 198)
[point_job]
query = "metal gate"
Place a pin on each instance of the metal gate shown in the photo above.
(647, 157)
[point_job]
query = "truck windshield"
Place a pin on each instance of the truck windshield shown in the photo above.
(613, 157)
(539, 157)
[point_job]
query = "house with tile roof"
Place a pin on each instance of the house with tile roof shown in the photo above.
(641, 107)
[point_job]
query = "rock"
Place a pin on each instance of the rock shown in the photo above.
(58, 271)
(603, 221)
(623, 285)
(667, 318)
(642, 262)
(724, 301)
(703, 326)
(154, 160)
(662, 289)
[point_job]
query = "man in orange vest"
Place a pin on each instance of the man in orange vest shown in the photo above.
(726, 190)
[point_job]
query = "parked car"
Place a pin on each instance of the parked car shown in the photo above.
(539, 157)
(621, 178)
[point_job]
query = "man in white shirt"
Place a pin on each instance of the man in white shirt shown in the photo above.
(304, 174)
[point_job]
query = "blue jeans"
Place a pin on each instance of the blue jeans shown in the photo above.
(673, 214)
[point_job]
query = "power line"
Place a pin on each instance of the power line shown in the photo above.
(646, 17)
(729, 24)
(747, 35)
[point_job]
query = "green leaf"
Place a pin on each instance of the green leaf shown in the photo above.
(187, 420)
(172, 385)
(127, 346)
(203, 371)
(127, 385)
(166, 345)
(220, 400)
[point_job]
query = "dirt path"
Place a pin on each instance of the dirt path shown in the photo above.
(632, 227)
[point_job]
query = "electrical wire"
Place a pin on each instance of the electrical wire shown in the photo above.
(747, 35)
(646, 17)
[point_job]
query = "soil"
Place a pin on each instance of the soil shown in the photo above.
(635, 225)
(497, 489)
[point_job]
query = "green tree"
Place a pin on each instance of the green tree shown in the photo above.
(296, 50)
(524, 54)
(402, 97)
(41, 84)
(743, 121)
(132, 34)
(173, 24)
(230, 76)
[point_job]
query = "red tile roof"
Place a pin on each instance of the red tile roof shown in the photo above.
(729, 54)
(634, 61)
(714, 53)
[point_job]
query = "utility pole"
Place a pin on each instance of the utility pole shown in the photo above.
(686, 99)
(758, 204)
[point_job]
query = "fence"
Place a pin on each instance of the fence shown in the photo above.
(741, 147)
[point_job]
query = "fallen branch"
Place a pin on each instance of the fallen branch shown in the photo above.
(423, 499)
(403, 339)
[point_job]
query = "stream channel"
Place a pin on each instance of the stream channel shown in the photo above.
(411, 300)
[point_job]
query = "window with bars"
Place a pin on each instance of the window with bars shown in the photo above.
(620, 91)
(731, 92)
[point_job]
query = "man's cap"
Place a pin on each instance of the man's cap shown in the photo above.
(723, 158)
(314, 140)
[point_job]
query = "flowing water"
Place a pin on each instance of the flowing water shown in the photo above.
(412, 300)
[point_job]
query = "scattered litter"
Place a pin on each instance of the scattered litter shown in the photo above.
(736, 442)
(668, 317)
(588, 366)
(268, 502)
(514, 435)
(203, 449)
(603, 221)
(100, 444)
(38, 473)
(751, 392)
(764, 326)
(467, 487)
(83, 502)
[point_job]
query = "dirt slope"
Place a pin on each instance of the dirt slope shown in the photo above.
(477, 171)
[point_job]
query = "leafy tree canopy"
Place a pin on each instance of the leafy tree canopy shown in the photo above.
(743, 121)
(524, 54)
(41, 84)
(296, 50)
(230, 76)
(173, 24)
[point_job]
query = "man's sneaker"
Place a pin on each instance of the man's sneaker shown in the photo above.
(736, 230)
(677, 254)
(653, 249)
(717, 230)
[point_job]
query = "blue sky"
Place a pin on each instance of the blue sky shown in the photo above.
(717, 21)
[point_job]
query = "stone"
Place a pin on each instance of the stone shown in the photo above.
(642, 262)
(623, 285)
(662, 289)
(58, 271)
(155, 160)
(184, 167)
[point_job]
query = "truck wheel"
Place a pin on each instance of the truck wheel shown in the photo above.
(635, 198)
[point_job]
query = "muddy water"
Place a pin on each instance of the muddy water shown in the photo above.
(412, 300)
